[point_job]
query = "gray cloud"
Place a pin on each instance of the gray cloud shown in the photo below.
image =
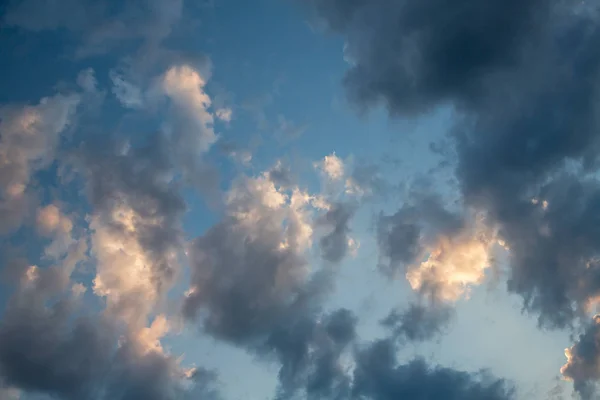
(136, 219)
(249, 269)
(526, 107)
(53, 348)
(402, 237)
(321, 359)
(309, 351)
(378, 376)
(418, 322)
(583, 361)
(335, 244)
(413, 55)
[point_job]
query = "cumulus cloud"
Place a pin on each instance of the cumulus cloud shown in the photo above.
(247, 269)
(50, 349)
(321, 357)
(378, 376)
(135, 226)
(504, 67)
(583, 361)
(503, 83)
(185, 87)
(442, 253)
(51, 345)
(29, 137)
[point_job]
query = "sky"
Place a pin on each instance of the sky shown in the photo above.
(299, 199)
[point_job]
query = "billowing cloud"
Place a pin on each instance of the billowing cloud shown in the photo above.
(193, 122)
(247, 269)
(135, 227)
(29, 137)
(310, 351)
(442, 253)
(54, 350)
(224, 114)
(503, 83)
(504, 67)
(378, 376)
(414, 55)
(321, 357)
(583, 361)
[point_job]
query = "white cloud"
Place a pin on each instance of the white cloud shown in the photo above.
(224, 114)
(193, 124)
(332, 167)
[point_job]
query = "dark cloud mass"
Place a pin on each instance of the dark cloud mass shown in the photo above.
(378, 376)
(522, 77)
(413, 55)
(583, 360)
(322, 359)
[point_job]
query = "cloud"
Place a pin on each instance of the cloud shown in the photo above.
(193, 124)
(321, 358)
(29, 137)
(100, 26)
(336, 244)
(442, 253)
(51, 350)
(128, 94)
(248, 268)
(50, 344)
(135, 225)
(332, 167)
(310, 353)
(224, 114)
(503, 67)
(413, 55)
(378, 376)
(583, 361)
(418, 322)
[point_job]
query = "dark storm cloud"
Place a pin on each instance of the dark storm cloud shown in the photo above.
(378, 376)
(418, 322)
(413, 55)
(522, 76)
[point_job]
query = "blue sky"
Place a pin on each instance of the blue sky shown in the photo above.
(314, 199)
